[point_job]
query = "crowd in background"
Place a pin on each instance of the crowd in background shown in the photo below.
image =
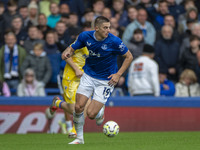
(34, 33)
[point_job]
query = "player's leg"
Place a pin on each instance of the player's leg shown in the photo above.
(101, 94)
(66, 124)
(95, 110)
(69, 88)
(78, 118)
(84, 91)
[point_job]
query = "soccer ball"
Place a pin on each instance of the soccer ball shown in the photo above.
(110, 128)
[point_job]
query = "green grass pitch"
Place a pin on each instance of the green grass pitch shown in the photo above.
(98, 141)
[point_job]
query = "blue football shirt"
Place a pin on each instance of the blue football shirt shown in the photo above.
(102, 59)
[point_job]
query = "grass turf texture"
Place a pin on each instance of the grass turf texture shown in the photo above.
(98, 141)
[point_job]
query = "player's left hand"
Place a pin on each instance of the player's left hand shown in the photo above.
(114, 79)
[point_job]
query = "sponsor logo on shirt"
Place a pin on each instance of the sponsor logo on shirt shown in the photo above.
(104, 47)
(122, 46)
(91, 53)
(88, 44)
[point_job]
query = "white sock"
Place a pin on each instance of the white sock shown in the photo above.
(69, 125)
(63, 120)
(99, 113)
(79, 121)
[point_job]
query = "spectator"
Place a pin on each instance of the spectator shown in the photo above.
(142, 23)
(2, 23)
(20, 32)
(33, 13)
(29, 86)
(175, 9)
(132, 14)
(195, 30)
(24, 2)
(143, 74)
(167, 52)
(189, 56)
(191, 14)
(188, 4)
(40, 35)
(187, 85)
(145, 4)
(65, 18)
(39, 62)
(64, 9)
(198, 67)
(42, 24)
(62, 38)
(11, 59)
(73, 29)
(114, 24)
(133, 2)
(32, 39)
(10, 13)
(106, 12)
(119, 12)
(76, 6)
(87, 26)
(169, 20)
(98, 7)
(157, 14)
(167, 87)
(88, 16)
(23, 11)
(4, 89)
(136, 43)
(55, 16)
(114, 32)
(54, 56)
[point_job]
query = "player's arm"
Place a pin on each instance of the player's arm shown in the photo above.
(68, 52)
(127, 61)
(76, 69)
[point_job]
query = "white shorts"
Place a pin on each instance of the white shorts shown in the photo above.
(99, 88)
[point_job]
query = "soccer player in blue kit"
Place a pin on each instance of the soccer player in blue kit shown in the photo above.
(101, 73)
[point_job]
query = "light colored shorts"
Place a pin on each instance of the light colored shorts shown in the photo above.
(99, 88)
(70, 87)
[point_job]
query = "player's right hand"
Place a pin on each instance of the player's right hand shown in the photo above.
(67, 53)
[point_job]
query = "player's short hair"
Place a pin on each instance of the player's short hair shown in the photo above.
(99, 20)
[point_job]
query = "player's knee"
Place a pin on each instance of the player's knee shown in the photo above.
(91, 115)
(79, 108)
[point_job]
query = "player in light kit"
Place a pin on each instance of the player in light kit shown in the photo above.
(100, 72)
(71, 79)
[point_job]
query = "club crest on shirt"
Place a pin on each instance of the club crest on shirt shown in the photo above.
(88, 44)
(104, 47)
(121, 46)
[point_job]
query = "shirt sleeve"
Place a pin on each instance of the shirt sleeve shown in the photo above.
(120, 47)
(79, 43)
